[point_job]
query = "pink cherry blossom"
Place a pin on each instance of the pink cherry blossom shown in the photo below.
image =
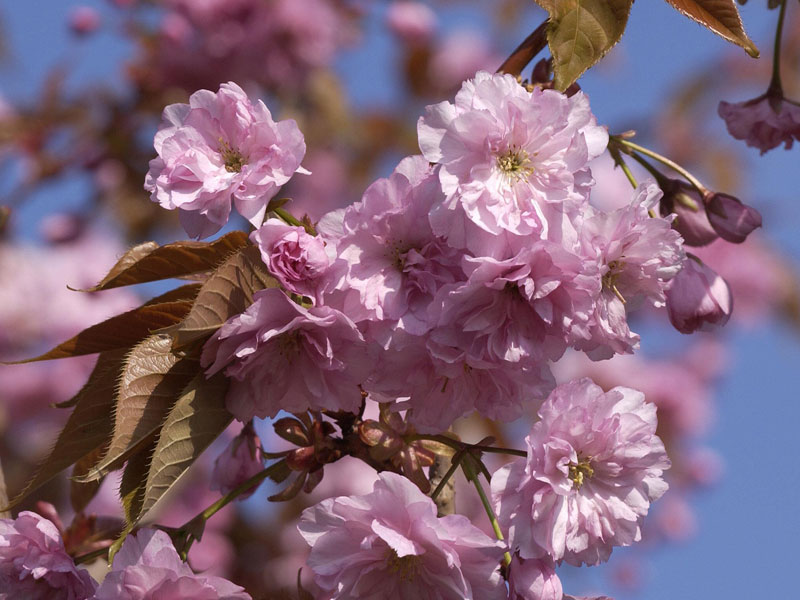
(84, 20)
(765, 122)
(221, 148)
(148, 567)
(698, 298)
(504, 151)
(526, 309)
(34, 564)
(390, 262)
(201, 43)
(638, 256)
(241, 460)
(533, 579)
(438, 383)
(390, 545)
(282, 356)
(594, 465)
(294, 257)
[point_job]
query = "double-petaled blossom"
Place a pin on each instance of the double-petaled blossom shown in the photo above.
(221, 148)
(638, 255)
(390, 545)
(698, 298)
(593, 467)
(390, 263)
(526, 309)
(505, 152)
(148, 567)
(765, 122)
(295, 258)
(34, 564)
(283, 356)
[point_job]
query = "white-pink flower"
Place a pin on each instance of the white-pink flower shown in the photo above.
(390, 263)
(594, 465)
(34, 564)
(295, 258)
(505, 151)
(390, 545)
(282, 356)
(221, 148)
(765, 122)
(638, 256)
(533, 579)
(147, 567)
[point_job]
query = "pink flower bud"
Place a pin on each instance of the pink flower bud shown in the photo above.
(84, 20)
(732, 219)
(241, 460)
(691, 222)
(698, 299)
(412, 22)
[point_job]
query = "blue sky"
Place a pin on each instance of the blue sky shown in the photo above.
(749, 523)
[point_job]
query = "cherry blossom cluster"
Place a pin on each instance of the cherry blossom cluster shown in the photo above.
(453, 284)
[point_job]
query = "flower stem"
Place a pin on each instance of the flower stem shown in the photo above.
(235, 492)
(90, 556)
(453, 468)
(492, 518)
(663, 160)
(459, 445)
(775, 86)
(620, 162)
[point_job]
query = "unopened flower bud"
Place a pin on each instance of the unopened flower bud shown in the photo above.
(412, 22)
(691, 220)
(84, 20)
(732, 219)
(698, 299)
(241, 460)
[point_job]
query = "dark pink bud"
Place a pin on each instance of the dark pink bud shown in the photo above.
(84, 20)
(732, 219)
(241, 460)
(698, 298)
(691, 221)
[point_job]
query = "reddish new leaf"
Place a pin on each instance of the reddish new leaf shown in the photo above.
(88, 427)
(152, 379)
(227, 292)
(121, 331)
(80, 494)
(151, 262)
(720, 16)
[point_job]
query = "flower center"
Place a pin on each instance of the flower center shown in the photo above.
(579, 472)
(406, 568)
(233, 159)
(289, 344)
(611, 276)
(515, 164)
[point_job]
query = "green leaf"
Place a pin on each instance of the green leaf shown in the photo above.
(227, 292)
(131, 492)
(151, 381)
(89, 426)
(151, 262)
(581, 32)
(120, 331)
(720, 16)
(197, 419)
